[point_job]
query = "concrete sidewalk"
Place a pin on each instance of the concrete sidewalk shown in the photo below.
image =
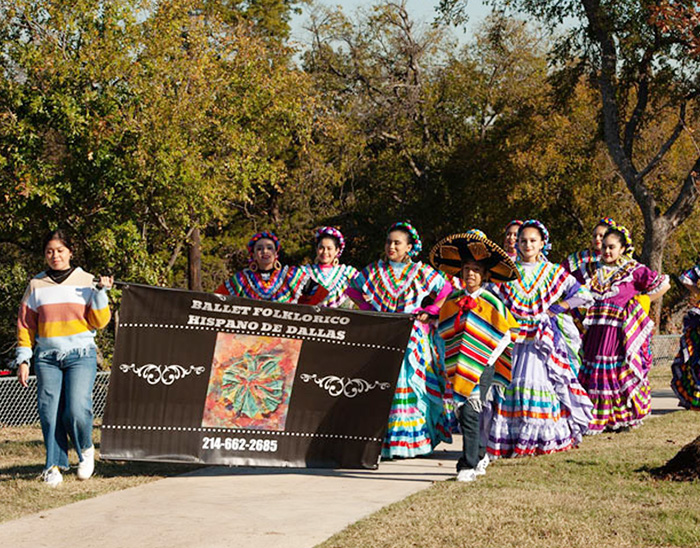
(240, 507)
(230, 507)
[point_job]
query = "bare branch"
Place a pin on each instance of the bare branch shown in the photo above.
(683, 205)
(642, 102)
(178, 249)
(666, 146)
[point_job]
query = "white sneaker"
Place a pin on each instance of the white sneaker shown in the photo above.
(52, 477)
(87, 465)
(466, 475)
(481, 467)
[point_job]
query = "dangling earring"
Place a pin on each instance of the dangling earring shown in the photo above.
(336, 262)
(253, 266)
(277, 265)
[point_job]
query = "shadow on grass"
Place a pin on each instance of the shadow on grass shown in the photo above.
(582, 463)
(23, 443)
(26, 472)
(655, 412)
(104, 469)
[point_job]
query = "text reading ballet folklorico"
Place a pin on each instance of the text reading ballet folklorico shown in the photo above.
(223, 380)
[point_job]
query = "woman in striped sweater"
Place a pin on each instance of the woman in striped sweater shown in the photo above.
(59, 314)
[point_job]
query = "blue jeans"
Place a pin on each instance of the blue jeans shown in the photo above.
(473, 447)
(64, 398)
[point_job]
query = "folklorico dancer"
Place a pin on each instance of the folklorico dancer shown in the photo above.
(510, 239)
(327, 270)
(477, 329)
(686, 365)
(266, 279)
(616, 357)
(578, 261)
(417, 421)
(544, 409)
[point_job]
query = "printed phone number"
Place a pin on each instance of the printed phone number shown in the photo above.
(239, 444)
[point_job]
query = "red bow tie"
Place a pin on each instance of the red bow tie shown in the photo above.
(465, 304)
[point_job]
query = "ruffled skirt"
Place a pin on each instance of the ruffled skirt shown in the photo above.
(616, 363)
(418, 420)
(543, 410)
(686, 365)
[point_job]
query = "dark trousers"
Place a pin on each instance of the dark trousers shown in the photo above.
(473, 450)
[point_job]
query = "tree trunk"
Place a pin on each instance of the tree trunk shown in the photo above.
(194, 261)
(652, 255)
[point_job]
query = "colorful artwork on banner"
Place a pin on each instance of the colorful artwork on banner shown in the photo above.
(251, 382)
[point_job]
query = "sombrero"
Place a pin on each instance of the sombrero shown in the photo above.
(450, 252)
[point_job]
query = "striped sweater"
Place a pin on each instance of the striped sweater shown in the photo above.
(58, 318)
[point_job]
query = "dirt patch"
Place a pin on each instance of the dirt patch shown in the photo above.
(685, 466)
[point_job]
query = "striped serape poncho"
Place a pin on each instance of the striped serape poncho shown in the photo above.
(474, 328)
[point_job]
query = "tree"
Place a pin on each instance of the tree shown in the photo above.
(681, 19)
(644, 76)
(137, 132)
(472, 140)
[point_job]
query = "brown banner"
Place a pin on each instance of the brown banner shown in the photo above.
(202, 378)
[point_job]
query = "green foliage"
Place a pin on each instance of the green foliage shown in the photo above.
(134, 122)
(131, 123)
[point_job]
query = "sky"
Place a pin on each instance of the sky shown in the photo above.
(419, 10)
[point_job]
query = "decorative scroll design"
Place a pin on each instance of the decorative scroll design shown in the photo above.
(337, 386)
(166, 374)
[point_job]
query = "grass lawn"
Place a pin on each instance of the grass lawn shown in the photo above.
(597, 496)
(22, 457)
(600, 495)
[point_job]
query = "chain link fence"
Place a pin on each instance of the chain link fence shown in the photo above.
(664, 348)
(18, 404)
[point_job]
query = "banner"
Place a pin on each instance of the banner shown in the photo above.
(203, 378)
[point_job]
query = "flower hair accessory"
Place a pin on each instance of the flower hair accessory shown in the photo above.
(534, 223)
(261, 236)
(330, 231)
(408, 227)
(626, 236)
(607, 221)
(516, 222)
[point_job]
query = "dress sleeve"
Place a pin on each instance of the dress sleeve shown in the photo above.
(647, 280)
(502, 291)
(575, 294)
(437, 281)
(296, 280)
(358, 281)
(692, 276)
(222, 289)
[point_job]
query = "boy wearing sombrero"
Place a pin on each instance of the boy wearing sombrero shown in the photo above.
(477, 329)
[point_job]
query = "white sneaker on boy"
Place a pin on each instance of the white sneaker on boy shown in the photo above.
(87, 465)
(52, 477)
(466, 475)
(481, 467)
